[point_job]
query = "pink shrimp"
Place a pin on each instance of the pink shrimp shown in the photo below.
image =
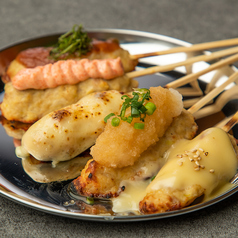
(66, 72)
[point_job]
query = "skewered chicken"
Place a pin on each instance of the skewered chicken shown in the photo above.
(193, 168)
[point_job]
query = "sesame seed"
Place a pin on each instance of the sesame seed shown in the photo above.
(211, 170)
(179, 156)
(206, 153)
(195, 156)
(193, 151)
(197, 169)
(202, 166)
(197, 163)
(72, 201)
(181, 163)
(199, 158)
(66, 203)
(191, 159)
(201, 149)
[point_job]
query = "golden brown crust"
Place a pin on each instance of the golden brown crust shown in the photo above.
(14, 129)
(169, 199)
(98, 179)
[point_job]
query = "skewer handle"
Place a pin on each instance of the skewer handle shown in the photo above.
(196, 47)
(189, 78)
(213, 94)
(228, 126)
(164, 68)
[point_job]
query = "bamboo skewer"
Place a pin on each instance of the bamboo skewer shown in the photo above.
(212, 94)
(195, 47)
(192, 60)
(189, 78)
(232, 122)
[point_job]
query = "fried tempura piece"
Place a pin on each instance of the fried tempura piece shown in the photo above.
(102, 181)
(121, 146)
(193, 168)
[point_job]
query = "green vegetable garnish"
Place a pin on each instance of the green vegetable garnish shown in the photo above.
(138, 125)
(90, 200)
(138, 108)
(115, 121)
(73, 42)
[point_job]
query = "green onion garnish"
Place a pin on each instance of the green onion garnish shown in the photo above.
(90, 200)
(73, 42)
(108, 116)
(138, 108)
(139, 125)
(150, 108)
(115, 121)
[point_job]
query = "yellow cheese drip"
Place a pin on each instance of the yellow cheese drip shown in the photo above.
(208, 160)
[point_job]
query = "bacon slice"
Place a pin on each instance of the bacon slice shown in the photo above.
(67, 72)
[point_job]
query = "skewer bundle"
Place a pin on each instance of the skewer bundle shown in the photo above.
(197, 99)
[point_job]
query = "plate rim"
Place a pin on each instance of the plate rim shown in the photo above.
(65, 213)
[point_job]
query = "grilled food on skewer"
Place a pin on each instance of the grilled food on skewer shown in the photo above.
(193, 168)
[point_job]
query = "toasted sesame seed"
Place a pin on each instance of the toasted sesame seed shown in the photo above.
(197, 169)
(195, 156)
(179, 156)
(202, 166)
(181, 163)
(211, 170)
(199, 158)
(197, 163)
(206, 153)
(66, 203)
(191, 159)
(72, 201)
(201, 149)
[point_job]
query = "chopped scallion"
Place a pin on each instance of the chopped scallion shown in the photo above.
(115, 121)
(139, 125)
(150, 108)
(108, 116)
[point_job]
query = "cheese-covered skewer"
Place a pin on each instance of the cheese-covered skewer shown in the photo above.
(63, 134)
(193, 168)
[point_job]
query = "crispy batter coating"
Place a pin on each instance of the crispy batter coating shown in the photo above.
(169, 199)
(102, 181)
(122, 145)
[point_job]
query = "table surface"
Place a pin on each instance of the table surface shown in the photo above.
(188, 20)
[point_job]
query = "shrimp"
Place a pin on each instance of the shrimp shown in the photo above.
(66, 72)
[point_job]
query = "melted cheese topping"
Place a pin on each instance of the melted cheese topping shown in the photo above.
(208, 160)
(64, 134)
(216, 160)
